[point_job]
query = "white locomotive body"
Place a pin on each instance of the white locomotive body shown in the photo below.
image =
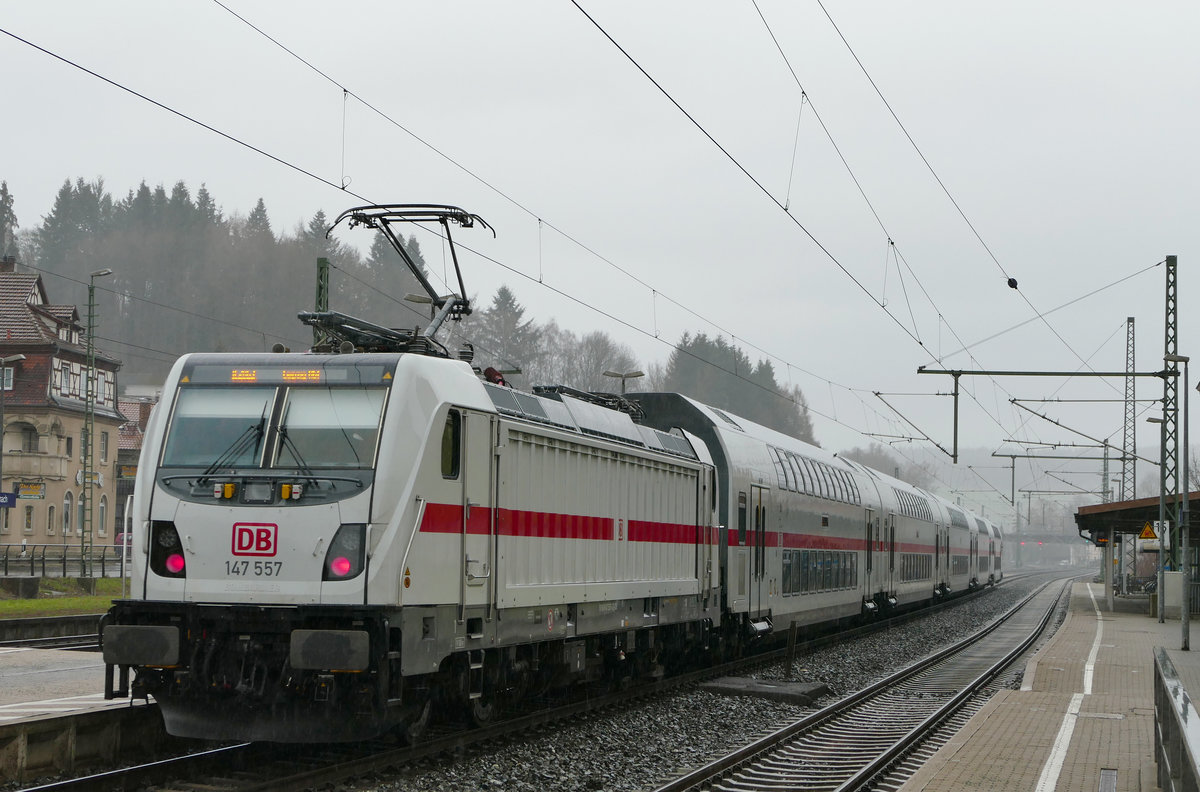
(323, 536)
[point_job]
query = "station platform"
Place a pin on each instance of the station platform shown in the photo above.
(1083, 720)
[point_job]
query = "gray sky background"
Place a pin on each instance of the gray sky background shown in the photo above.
(1065, 131)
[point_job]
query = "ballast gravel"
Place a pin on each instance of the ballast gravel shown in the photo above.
(644, 745)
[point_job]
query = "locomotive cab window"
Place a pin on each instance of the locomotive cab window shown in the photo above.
(451, 444)
(211, 423)
(317, 427)
(329, 427)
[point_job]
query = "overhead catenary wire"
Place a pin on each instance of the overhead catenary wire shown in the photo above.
(540, 220)
(816, 412)
(1011, 281)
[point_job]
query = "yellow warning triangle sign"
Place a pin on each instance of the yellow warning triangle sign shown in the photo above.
(1147, 532)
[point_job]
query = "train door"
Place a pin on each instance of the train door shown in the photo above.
(872, 539)
(737, 584)
(706, 539)
(759, 580)
(478, 500)
(973, 561)
(890, 542)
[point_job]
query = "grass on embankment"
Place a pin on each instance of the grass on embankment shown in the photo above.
(61, 597)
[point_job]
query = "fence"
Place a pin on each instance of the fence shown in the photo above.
(62, 560)
(1175, 741)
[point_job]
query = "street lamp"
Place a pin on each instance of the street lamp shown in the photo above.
(628, 375)
(89, 425)
(4, 363)
(1185, 615)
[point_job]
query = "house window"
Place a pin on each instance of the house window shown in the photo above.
(80, 525)
(70, 446)
(28, 519)
(29, 439)
(8, 378)
(102, 523)
(64, 378)
(68, 502)
(50, 525)
(104, 446)
(4, 521)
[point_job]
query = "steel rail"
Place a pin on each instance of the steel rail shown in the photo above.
(891, 748)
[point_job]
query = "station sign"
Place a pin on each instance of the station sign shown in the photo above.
(8, 500)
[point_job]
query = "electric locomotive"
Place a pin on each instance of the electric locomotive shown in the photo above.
(331, 545)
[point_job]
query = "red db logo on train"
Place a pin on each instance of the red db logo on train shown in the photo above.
(255, 539)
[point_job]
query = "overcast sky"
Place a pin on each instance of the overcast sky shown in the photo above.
(1065, 132)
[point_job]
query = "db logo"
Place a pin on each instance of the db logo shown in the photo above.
(255, 539)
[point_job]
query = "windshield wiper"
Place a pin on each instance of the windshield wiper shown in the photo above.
(251, 437)
(301, 464)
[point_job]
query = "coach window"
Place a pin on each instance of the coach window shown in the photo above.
(741, 519)
(801, 486)
(451, 445)
(820, 487)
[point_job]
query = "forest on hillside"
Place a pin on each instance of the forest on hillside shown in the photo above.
(188, 277)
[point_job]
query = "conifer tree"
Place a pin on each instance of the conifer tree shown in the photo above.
(8, 222)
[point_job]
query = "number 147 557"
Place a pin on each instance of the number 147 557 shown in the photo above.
(254, 568)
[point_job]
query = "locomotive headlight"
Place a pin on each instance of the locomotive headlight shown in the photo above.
(257, 492)
(166, 551)
(346, 555)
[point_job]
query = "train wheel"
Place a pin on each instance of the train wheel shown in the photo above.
(482, 710)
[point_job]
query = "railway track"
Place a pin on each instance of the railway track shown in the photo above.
(81, 643)
(263, 766)
(865, 740)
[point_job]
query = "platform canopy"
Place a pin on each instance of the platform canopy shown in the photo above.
(1101, 522)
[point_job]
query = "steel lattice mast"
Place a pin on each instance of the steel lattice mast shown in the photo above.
(1169, 478)
(1129, 438)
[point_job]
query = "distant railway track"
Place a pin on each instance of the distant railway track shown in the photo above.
(81, 643)
(855, 743)
(266, 766)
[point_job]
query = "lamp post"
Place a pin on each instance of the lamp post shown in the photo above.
(1185, 613)
(1162, 510)
(4, 363)
(628, 375)
(89, 426)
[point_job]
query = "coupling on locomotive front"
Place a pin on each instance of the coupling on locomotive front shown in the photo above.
(335, 544)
